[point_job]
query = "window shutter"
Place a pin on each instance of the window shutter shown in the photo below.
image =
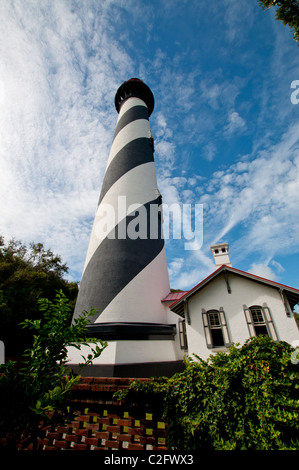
(206, 328)
(183, 335)
(249, 320)
(285, 303)
(186, 312)
(224, 327)
(269, 322)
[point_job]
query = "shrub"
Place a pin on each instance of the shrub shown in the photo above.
(36, 390)
(246, 399)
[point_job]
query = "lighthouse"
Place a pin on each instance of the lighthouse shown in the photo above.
(125, 276)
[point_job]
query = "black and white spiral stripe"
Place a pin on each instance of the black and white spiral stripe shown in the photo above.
(125, 279)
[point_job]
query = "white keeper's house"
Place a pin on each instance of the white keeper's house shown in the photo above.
(230, 306)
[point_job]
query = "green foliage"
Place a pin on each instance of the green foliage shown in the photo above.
(287, 12)
(27, 274)
(246, 399)
(38, 388)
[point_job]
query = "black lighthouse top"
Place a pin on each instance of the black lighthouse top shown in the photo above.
(135, 87)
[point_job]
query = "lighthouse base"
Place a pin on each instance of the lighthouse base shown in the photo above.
(133, 370)
(148, 350)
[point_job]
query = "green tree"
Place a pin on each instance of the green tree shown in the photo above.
(246, 399)
(287, 12)
(37, 390)
(26, 274)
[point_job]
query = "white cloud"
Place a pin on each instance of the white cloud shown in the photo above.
(262, 270)
(175, 266)
(260, 197)
(209, 151)
(57, 120)
(268, 269)
(211, 93)
(166, 152)
(235, 123)
(234, 11)
(193, 268)
(188, 279)
(277, 266)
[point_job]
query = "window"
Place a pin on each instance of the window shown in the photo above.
(216, 330)
(183, 335)
(215, 327)
(259, 321)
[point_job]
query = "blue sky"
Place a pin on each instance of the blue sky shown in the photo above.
(225, 128)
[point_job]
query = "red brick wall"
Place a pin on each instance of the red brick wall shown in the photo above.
(101, 422)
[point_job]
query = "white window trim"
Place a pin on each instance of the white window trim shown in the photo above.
(207, 328)
(267, 320)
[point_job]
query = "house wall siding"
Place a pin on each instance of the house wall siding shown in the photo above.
(243, 292)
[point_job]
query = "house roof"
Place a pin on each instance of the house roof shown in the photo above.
(173, 296)
(291, 293)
